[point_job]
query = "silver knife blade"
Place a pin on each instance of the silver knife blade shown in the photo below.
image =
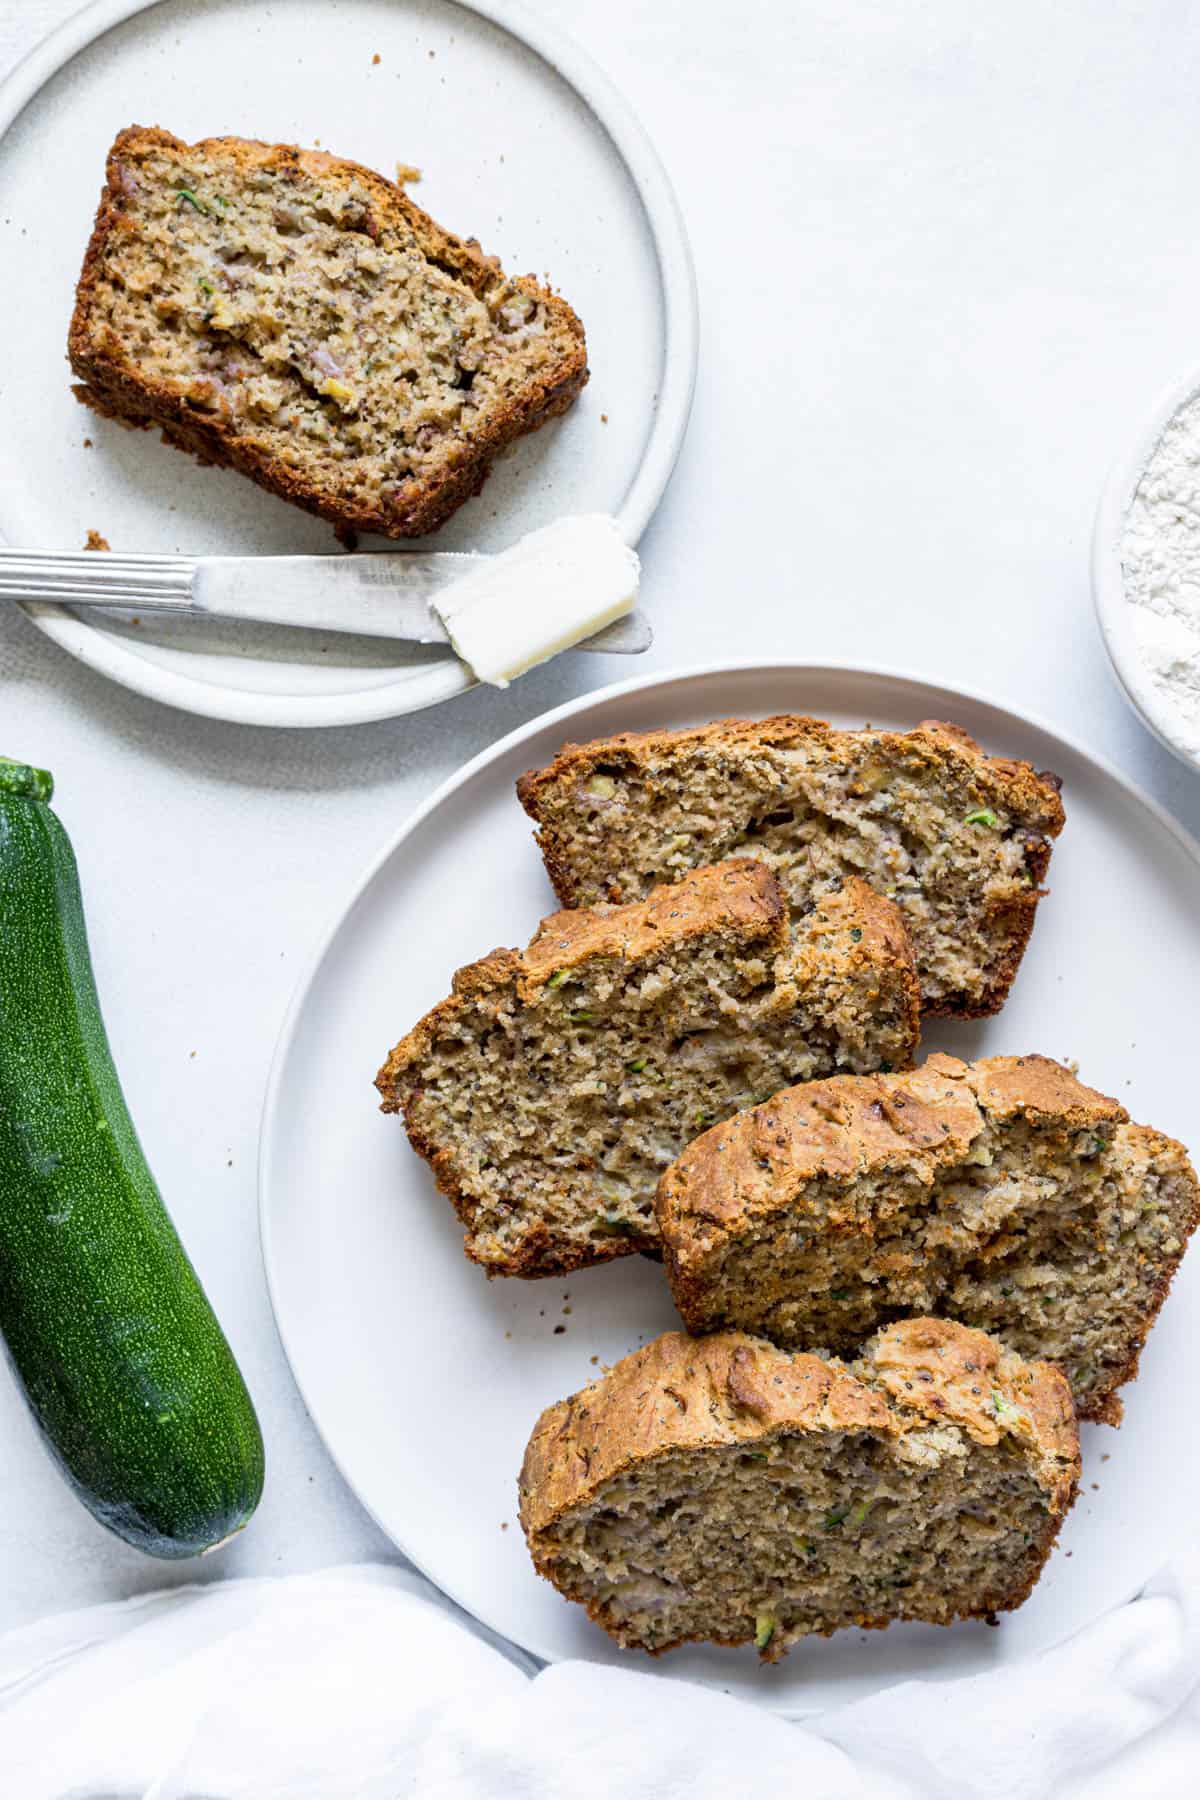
(373, 596)
(383, 595)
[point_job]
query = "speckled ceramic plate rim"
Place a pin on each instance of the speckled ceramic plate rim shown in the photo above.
(670, 679)
(440, 681)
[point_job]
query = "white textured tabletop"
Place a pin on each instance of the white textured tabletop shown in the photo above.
(946, 257)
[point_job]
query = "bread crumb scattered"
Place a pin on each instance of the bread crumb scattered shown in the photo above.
(406, 174)
(558, 1330)
(604, 418)
(376, 60)
(503, 1522)
(594, 1359)
(96, 542)
(87, 443)
(508, 1334)
(1104, 1458)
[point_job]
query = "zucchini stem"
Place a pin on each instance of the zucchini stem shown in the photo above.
(20, 778)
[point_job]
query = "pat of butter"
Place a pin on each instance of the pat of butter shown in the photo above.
(551, 590)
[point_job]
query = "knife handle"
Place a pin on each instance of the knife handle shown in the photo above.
(88, 578)
(119, 580)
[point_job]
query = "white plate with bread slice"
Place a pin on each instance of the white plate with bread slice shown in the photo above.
(426, 1379)
(515, 137)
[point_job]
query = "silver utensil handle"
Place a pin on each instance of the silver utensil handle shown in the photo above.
(123, 581)
(90, 578)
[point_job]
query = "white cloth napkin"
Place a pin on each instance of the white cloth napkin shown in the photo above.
(365, 1683)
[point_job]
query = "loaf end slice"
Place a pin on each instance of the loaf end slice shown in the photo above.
(1003, 1193)
(552, 1088)
(959, 839)
(720, 1489)
(296, 317)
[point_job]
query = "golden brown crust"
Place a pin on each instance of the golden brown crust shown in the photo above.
(1169, 1156)
(739, 896)
(883, 940)
(723, 897)
(995, 781)
(867, 943)
(848, 1128)
(951, 1374)
(111, 384)
(686, 1393)
(680, 1393)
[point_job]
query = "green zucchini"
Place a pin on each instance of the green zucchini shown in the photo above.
(122, 1361)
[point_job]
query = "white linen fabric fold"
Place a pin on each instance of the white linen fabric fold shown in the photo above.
(364, 1682)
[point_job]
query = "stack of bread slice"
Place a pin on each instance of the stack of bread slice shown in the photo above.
(902, 1285)
(1002, 1193)
(959, 840)
(554, 1086)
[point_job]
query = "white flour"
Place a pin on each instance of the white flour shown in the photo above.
(1160, 562)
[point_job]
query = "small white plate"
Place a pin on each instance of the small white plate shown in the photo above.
(425, 1379)
(1113, 611)
(523, 143)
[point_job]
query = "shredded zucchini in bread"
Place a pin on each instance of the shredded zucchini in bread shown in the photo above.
(297, 317)
(555, 1085)
(1002, 1193)
(959, 840)
(718, 1488)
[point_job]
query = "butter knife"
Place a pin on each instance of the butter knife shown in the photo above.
(367, 595)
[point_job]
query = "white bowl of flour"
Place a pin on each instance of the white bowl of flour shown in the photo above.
(1146, 571)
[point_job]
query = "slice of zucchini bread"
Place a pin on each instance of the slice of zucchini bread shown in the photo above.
(960, 840)
(294, 316)
(555, 1085)
(1002, 1193)
(718, 1488)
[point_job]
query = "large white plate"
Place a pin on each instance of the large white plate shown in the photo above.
(522, 141)
(425, 1379)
